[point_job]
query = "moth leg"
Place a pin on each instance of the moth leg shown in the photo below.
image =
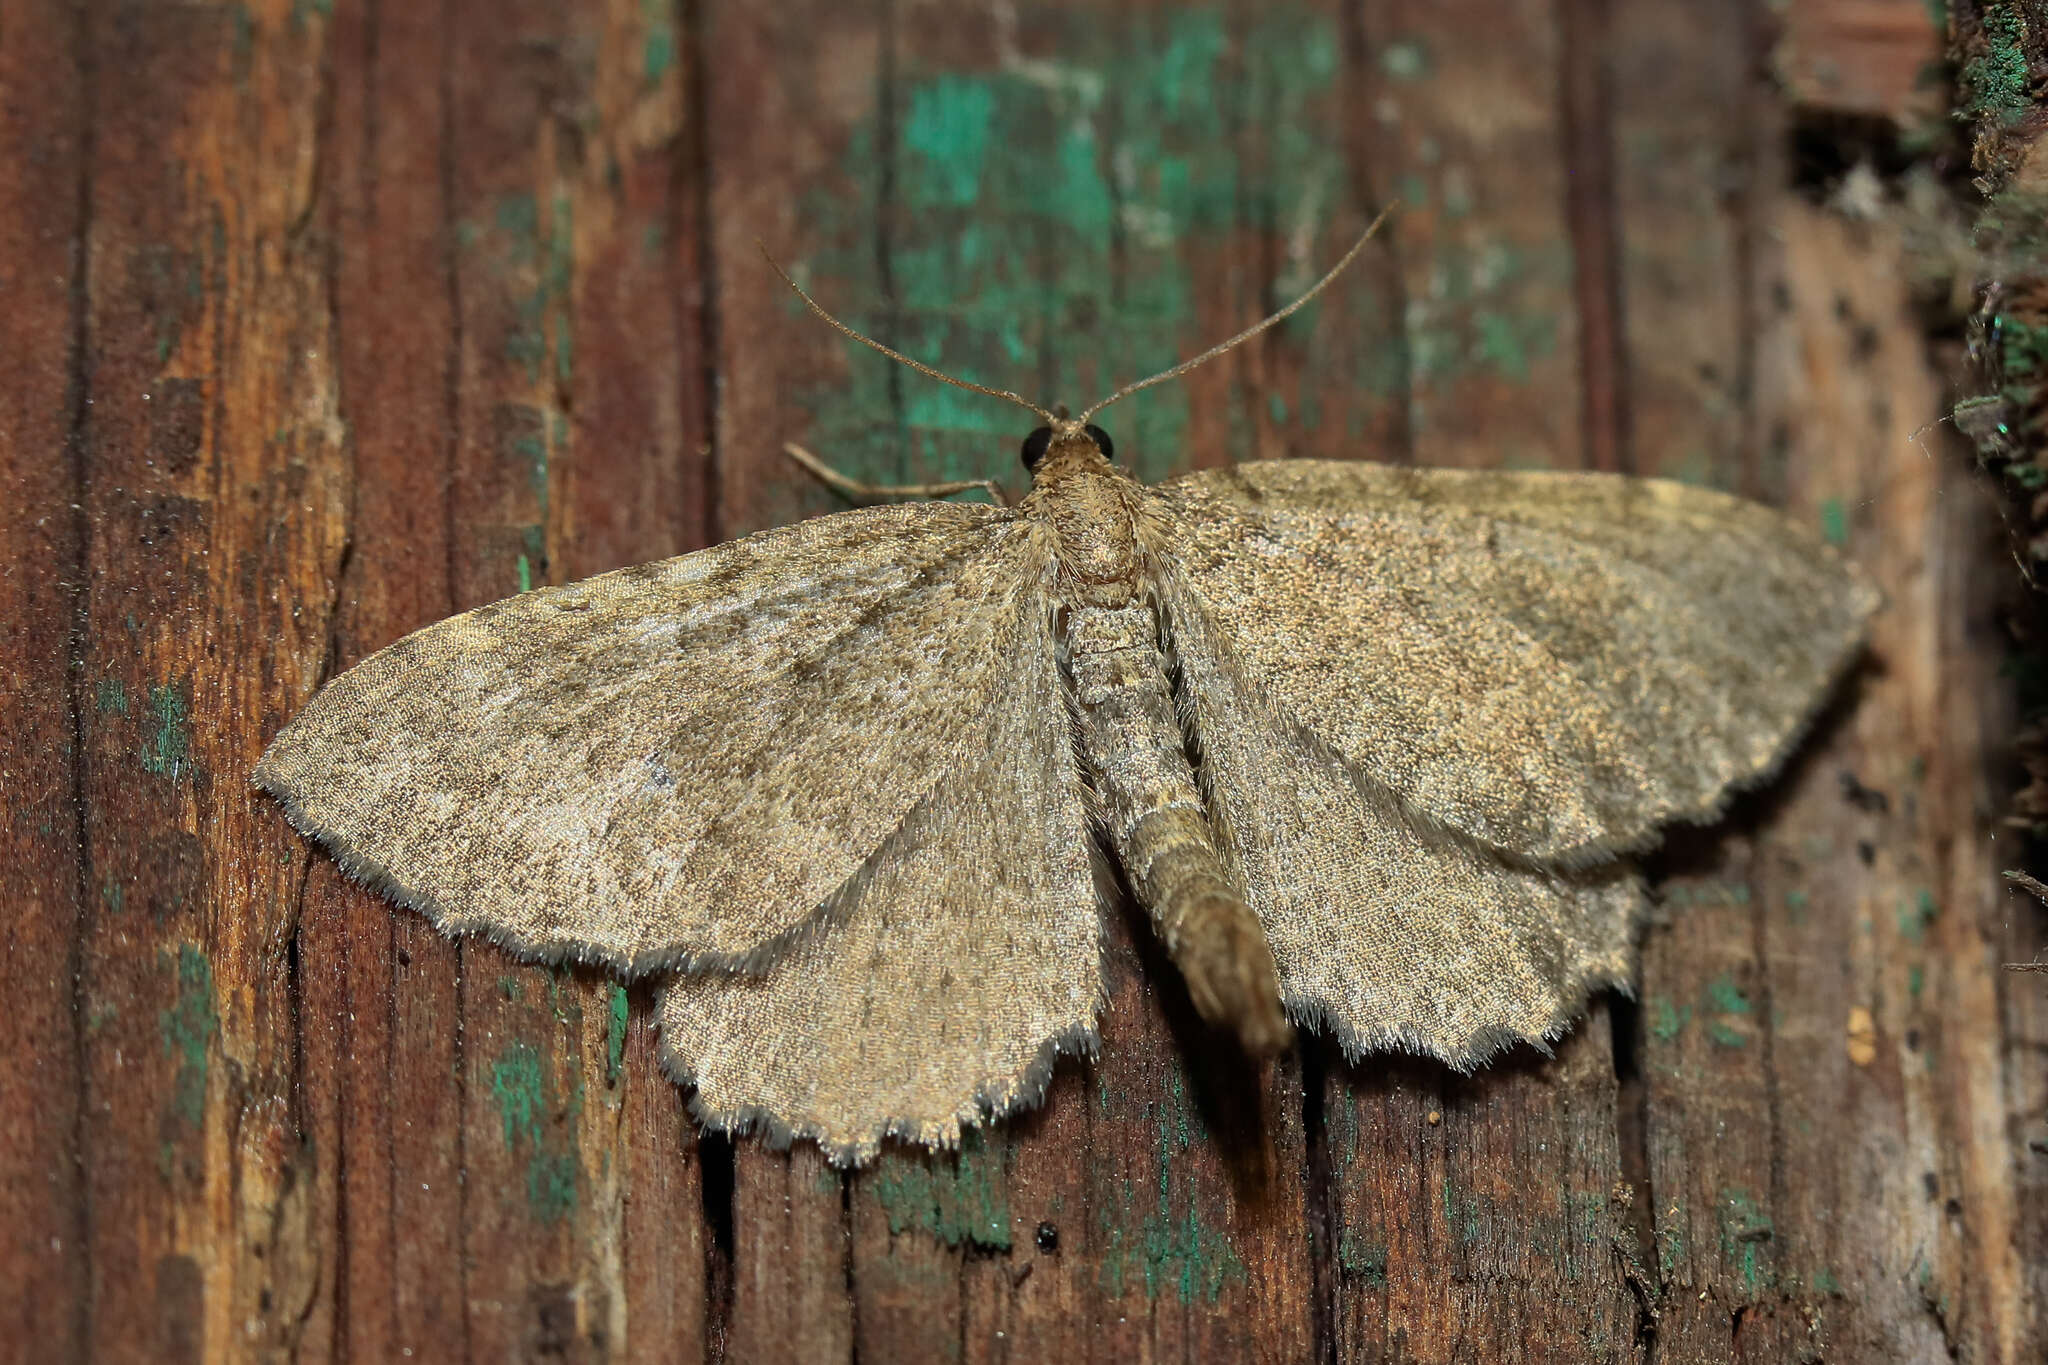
(875, 492)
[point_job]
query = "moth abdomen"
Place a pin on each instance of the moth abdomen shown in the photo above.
(1152, 810)
(1212, 935)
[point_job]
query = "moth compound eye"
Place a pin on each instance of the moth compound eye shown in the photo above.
(1102, 441)
(1035, 446)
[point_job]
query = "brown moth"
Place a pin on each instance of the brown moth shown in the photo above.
(1371, 745)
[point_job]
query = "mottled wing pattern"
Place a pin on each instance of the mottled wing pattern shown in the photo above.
(939, 985)
(675, 762)
(1553, 664)
(1387, 933)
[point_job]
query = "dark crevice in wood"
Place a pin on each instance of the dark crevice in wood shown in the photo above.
(1823, 145)
(887, 326)
(1322, 1209)
(1748, 208)
(1113, 127)
(78, 406)
(451, 536)
(716, 1179)
(338, 1345)
(1360, 135)
(1632, 1141)
(1594, 221)
(1253, 211)
(695, 152)
(452, 539)
(1759, 137)
(305, 1159)
(846, 1270)
(1767, 1038)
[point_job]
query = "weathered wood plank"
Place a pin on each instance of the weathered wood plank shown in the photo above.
(382, 1027)
(211, 475)
(1482, 1209)
(388, 310)
(1890, 1155)
(43, 117)
(1688, 109)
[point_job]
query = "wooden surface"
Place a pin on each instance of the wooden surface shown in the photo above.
(325, 319)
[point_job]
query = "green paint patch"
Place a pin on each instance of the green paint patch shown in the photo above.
(1745, 1227)
(525, 575)
(551, 1185)
(1725, 997)
(1159, 1239)
(1184, 1254)
(519, 1086)
(1461, 1212)
(188, 1027)
(1405, 61)
(110, 698)
(615, 1035)
(1505, 343)
(114, 896)
(1667, 1020)
(1726, 1010)
(958, 1199)
(1703, 894)
(1796, 905)
(949, 125)
(533, 253)
(1362, 1259)
(1671, 1244)
(1475, 318)
(1051, 201)
(658, 52)
(1834, 521)
(174, 283)
(167, 747)
(1916, 981)
(1917, 915)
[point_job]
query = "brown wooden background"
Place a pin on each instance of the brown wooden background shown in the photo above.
(322, 319)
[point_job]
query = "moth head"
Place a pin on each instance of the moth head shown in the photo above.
(1065, 434)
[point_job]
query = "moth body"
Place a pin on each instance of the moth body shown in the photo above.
(1147, 796)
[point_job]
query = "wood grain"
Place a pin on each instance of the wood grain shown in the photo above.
(325, 320)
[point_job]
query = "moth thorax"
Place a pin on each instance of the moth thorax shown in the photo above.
(1101, 561)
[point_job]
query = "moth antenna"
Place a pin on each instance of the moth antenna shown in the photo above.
(1019, 399)
(1248, 333)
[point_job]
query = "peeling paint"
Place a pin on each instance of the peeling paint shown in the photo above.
(519, 1087)
(166, 748)
(957, 1198)
(1745, 1227)
(1049, 203)
(1726, 1010)
(188, 1028)
(615, 1034)
(1834, 521)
